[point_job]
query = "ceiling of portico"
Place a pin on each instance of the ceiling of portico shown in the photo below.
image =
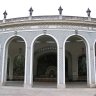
(74, 39)
(45, 39)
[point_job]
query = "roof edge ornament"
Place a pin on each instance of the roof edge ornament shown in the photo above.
(60, 10)
(88, 12)
(30, 11)
(5, 15)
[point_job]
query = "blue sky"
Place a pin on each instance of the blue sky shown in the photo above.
(19, 8)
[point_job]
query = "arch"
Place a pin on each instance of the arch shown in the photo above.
(5, 55)
(31, 62)
(85, 39)
(87, 51)
(32, 50)
(43, 35)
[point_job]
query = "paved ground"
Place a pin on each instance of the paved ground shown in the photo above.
(20, 91)
(43, 89)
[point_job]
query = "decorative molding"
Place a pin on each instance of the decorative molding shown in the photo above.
(48, 24)
(44, 32)
(56, 27)
(43, 26)
(15, 33)
(76, 32)
(46, 49)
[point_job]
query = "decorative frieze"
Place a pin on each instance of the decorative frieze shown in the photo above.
(48, 24)
(70, 27)
(46, 49)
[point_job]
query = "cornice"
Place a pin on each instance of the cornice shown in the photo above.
(46, 21)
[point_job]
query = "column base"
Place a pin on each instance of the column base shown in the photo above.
(2, 84)
(27, 86)
(61, 86)
(92, 85)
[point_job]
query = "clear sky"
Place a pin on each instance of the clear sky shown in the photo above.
(19, 8)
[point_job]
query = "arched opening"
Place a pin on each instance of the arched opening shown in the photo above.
(45, 62)
(15, 59)
(76, 62)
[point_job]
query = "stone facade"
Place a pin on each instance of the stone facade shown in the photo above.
(60, 29)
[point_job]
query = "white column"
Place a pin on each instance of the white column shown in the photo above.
(95, 64)
(27, 67)
(2, 67)
(10, 70)
(61, 69)
(69, 68)
(74, 66)
(91, 68)
(4, 55)
(35, 66)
